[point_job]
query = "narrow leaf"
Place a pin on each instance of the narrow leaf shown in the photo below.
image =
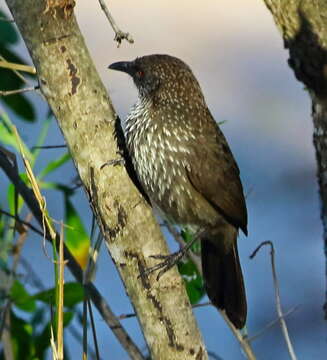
(73, 291)
(53, 165)
(77, 239)
(21, 298)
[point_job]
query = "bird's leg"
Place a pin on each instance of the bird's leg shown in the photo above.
(170, 260)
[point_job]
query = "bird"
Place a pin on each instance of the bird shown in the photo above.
(186, 168)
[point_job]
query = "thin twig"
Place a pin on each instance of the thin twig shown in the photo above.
(96, 346)
(18, 74)
(17, 91)
(277, 297)
(74, 331)
(60, 310)
(84, 356)
(19, 220)
(119, 35)
(272, 323)
(19, 67)
(49, 147)
(131, 315)
(245, 344)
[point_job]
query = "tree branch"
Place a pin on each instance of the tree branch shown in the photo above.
(303, 27)
(78, 99)
(119, 34)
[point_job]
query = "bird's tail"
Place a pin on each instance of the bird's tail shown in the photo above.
(224, 280)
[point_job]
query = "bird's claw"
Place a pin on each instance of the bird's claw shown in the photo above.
(168, 262)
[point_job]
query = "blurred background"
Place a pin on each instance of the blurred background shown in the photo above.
(237, 54)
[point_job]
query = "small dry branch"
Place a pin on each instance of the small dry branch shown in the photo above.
(281, 316)
(119, 34)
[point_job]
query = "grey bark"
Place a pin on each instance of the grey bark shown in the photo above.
(87, 120)
(303, 25)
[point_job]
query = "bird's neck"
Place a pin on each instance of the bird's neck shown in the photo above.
(138, 120)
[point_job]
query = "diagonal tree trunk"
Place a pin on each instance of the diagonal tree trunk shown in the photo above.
(71, 85)
(303, 25)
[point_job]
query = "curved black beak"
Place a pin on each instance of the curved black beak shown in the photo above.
(125, 66)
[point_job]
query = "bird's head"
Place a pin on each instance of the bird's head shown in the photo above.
(161, 76)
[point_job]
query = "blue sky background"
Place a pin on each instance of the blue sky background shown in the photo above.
(237, 54)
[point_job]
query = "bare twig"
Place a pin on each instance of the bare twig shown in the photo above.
(60, 309)
(245, 344)
(18, 91)
(18, 74)
(131, 315)
(74, 331)
(19, 220)
(272, 323)
(277, 297)
(84, 356)
(93, 330)
(49, 147)
(119, 35)
(19, 67)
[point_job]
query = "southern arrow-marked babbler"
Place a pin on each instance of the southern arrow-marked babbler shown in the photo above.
(187, 169)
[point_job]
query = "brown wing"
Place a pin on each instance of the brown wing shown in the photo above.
(215, 174)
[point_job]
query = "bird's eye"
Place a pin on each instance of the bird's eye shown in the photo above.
(140, 74)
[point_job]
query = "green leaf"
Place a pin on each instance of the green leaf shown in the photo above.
(42, 136)
(53, 165)
(42, 341)
(193, 281)
(49, 185)
(11, 195)
(73, 295)
(76, 237)
(188, 236)
(21, 298)
(68, 317)
(21, 337)
(7, 30)
(38, 317)
(20, 105)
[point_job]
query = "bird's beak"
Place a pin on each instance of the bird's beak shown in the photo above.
(125, 66)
